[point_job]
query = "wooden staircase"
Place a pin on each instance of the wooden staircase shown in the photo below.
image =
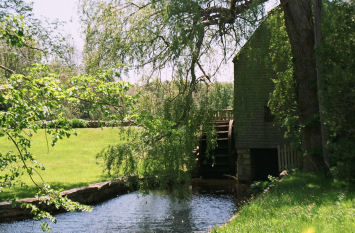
(220, 161)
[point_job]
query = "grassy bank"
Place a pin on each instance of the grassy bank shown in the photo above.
(302, 203)
(71, 163)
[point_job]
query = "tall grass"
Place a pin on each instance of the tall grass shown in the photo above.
(306, 203)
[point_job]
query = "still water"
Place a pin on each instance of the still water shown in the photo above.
(153, 212)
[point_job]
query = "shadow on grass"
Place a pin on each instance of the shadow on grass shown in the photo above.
(302, 202)
(304, 189)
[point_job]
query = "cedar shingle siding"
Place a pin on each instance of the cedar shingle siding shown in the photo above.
(252, 86)
(260, 146)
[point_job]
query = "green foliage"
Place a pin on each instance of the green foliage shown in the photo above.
(338, 68)
(220, 96)
(39, 96)
(337, 55)
(159, 34)
(283, 101)
(182, 36)
(102, 93)
(121, 159)
(14, 37)
(78, 123)
(258, 187)
(158, 97)
(25, 40)
(168, 137)
(162, 150)
(12, 30)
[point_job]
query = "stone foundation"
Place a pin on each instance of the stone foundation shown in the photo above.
(244, 167)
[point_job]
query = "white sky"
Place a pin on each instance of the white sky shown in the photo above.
(64, 10)
(67, 10)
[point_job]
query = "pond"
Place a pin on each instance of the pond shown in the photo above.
(153, 212)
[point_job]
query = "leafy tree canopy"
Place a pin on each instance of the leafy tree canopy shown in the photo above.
(32, 95)
(24, 39)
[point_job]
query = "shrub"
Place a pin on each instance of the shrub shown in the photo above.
(79, 123)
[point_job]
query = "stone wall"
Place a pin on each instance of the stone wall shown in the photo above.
(244, 166)
(90, 195)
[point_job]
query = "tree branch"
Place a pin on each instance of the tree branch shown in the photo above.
(216, 15)
(24, 162)
(7, 69)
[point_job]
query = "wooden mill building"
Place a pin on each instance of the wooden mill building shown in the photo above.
(249, 144)
(260, 145)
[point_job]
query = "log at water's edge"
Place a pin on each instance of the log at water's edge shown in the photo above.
(91, 194)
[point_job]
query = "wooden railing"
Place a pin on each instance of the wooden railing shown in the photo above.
(224, 114)
(288, 158)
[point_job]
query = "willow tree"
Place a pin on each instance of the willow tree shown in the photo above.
(185, 35)
(190, 39)
(181, 35)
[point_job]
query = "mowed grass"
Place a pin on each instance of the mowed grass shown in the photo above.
(302, 203)
(70, 163)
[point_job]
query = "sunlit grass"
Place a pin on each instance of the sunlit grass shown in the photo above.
(70, 163)
(302, 203)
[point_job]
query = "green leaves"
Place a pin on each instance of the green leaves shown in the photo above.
(33, 99)
(107, 97)
(30, 99)
(283, 101)
(337, 56)
(161, 150)
(13, 30)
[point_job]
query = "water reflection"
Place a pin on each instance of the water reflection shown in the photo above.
(135, 212)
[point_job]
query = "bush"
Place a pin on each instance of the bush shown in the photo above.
(259, 186)
(337, 54)
(79, 123)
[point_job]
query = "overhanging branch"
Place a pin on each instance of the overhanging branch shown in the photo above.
(222, 15)
(7, 69)
(217, 15)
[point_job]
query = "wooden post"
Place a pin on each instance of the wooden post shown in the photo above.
(279, 157)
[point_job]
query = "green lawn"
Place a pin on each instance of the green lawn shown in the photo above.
(302, 203)
(70, 163)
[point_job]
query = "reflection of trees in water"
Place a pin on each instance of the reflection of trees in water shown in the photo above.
(163, 213)
(134, 212)
(166, 213)
(180, 210)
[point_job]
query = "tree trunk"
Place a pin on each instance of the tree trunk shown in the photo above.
(300, 29)
(320, 81)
